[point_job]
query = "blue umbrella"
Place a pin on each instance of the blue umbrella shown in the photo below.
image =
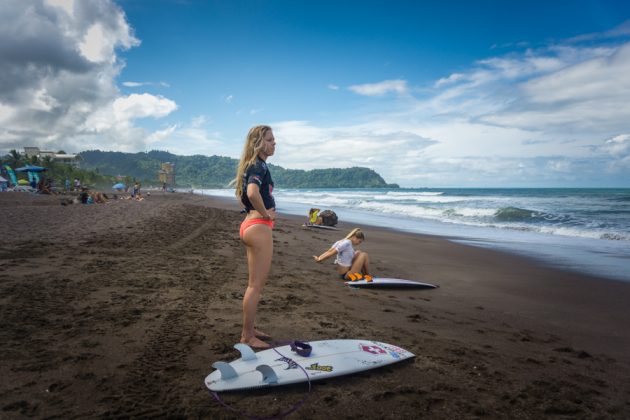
(119, 186)
(31, 168)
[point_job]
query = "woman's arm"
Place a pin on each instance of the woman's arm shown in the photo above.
(253, 193)
(325, 255)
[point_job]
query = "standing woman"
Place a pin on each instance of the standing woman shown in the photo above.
(254, 188)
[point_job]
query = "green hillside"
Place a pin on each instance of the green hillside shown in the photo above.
(217, 171)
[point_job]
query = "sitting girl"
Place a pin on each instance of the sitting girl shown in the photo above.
(351, 265)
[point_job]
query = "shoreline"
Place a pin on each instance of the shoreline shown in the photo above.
(120, 309)
(528, 249)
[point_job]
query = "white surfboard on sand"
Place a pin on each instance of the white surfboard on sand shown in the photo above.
(389, 282)
(281, 366)
(319, 227)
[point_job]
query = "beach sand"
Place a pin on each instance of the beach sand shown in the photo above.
(120, 309)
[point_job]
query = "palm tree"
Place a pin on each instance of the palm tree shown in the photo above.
(14, 159)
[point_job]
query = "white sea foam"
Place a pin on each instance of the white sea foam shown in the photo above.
(466, 210)
(577, 230)
(414, 193)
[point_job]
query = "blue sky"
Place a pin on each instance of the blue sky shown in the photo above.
(428, 94)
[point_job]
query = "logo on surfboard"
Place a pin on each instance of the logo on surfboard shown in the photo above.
(290, 363)
(373, 349)
(316, 366)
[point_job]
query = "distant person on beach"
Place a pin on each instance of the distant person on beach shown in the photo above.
(77, 184)
(313, 217)
(254, 188)
(99, 197)
(351, 265)
(44, 187)
(41, 185)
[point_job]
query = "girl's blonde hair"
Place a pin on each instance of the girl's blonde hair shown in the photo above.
(357, 233)
(253, 145)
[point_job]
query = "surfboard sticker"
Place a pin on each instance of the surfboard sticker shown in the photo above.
(390, 282)
(319, 227)
(281, 366)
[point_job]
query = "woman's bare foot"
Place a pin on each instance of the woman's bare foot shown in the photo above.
(255, 343)
(261, 335)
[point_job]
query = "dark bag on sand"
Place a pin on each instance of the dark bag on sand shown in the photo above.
(329, 218)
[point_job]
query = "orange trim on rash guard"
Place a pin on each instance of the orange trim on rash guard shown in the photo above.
(251, 222)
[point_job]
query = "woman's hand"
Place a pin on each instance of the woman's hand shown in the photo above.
(325, 255)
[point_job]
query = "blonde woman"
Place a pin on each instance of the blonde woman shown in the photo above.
(351, 265)
(254, 188)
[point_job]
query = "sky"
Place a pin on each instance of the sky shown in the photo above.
(443, 93)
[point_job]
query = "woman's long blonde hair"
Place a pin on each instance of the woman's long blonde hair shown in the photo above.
(253, 145)
(356, 232)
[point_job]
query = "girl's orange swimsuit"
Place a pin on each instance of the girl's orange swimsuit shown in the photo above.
(251, 222)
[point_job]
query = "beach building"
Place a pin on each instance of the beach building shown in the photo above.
(167, 174)
(72, 160)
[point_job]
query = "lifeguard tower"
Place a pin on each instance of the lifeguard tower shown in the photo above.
(166, 174)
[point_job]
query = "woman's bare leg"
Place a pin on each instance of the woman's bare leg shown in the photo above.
(360, 263)
(259, 243)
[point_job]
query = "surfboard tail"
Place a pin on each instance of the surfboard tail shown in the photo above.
(246, 352)
(269, 375)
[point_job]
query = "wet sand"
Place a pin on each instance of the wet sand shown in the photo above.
(120, 309)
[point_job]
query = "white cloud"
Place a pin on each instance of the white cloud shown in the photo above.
(160, 136)
(199, 121)
(190, 138)
(595, 79)
(140, 84)
(142, 106)
(388, 149)
(556, 89)
(551, 116)
(618, 146)
(381, 88)
(588, 96)
(6, 112)
(537, 116)
(455, 77)
(94, 46)
(619, 31)
(66, 5)
(58, 78)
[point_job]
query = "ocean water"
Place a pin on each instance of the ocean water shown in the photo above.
(584, 230)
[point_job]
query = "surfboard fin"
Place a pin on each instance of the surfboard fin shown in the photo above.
(227, 371)
(246, 352)
(269, 375)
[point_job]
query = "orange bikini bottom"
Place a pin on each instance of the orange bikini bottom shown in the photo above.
(251, 222)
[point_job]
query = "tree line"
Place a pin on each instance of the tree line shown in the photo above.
(199, 171)
(57, 173)
(101, 169)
